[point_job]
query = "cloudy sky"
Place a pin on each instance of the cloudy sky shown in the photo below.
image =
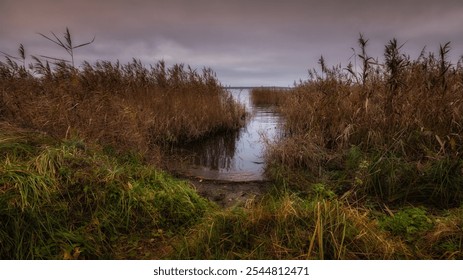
(246, 42)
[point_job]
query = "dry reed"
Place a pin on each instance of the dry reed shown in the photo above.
(128, 107)
(267, 96)
(404, 116)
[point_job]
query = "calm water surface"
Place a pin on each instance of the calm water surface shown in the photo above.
(237, 156)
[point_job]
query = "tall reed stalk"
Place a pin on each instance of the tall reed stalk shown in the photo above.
(412, 126)
(128, 107)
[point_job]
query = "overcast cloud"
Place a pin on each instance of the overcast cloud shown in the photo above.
(264, 42)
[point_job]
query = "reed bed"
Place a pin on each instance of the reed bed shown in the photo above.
(126, 107)
(387, 138)
(392, 131)
(264, 97)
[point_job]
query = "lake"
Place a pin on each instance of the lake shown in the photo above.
(235, 156)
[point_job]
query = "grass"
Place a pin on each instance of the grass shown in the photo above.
(286, 226)
(370, 165)
(67, 200)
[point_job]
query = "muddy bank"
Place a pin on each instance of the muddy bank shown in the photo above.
(230, 193)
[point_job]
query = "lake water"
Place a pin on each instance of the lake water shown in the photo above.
(238, 156)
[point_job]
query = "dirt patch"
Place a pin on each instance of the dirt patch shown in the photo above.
(229, 193)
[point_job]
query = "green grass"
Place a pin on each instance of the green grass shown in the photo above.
(74, 200)
(66, 200)
(286, 226)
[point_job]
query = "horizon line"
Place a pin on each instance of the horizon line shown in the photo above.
(250, 87)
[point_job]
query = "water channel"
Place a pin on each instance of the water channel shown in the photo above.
(238, 156)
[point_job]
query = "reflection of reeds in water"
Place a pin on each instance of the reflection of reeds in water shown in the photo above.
(215, 153)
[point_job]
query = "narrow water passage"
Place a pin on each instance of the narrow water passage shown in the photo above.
(237, 156)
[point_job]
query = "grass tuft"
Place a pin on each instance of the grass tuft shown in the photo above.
(68, 202)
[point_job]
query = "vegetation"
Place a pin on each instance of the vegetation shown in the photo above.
(286, 226)
(127, 107)
(395, 136)
(267, 96)
(386, 137)
(70, 200)
(370, 166)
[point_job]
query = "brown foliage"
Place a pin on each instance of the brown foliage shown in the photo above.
(267, 96)
(414, 109)
(403, 120)
(128, 107)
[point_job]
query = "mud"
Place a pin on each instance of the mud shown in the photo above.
(229, 193)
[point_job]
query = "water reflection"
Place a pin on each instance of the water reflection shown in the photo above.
(235, 156)
(215, 153)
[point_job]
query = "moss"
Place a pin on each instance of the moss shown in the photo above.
(410, 223)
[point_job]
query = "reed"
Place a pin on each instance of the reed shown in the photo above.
(358, 147)
(403, 116)
(264, 97)
(128, 107)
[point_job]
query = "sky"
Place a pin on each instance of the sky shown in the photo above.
(246, 42)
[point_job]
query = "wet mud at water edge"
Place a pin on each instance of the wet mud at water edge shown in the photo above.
(238, 156)
(228, 193)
